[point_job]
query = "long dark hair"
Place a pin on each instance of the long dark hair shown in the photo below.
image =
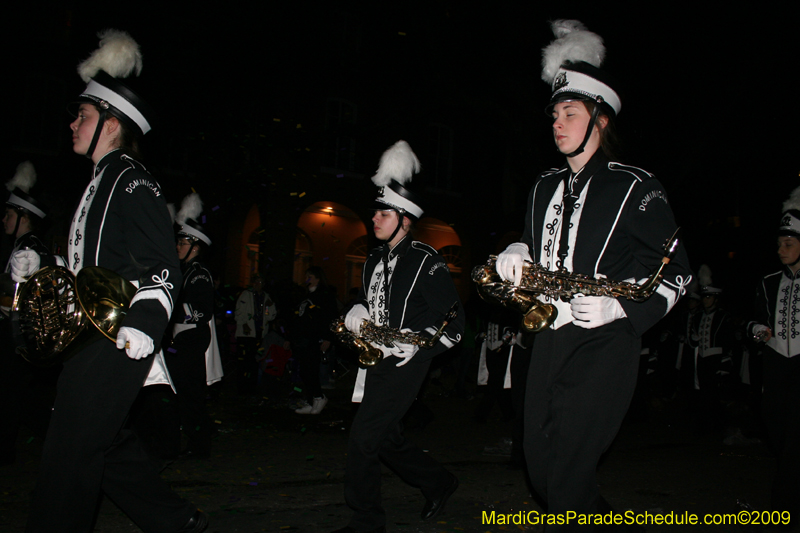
(609, 140)
(128, 138)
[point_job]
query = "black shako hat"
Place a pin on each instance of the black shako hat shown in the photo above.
(790, 216)
(571, 66)
(117, 57)
(19, 186)
(187, 220)
(397, 166)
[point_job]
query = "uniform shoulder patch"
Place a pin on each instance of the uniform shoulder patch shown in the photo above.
(550, 172)
(427, 248)
(635, 172)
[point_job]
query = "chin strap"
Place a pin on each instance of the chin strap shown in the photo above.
(589, 129)
(186, 255)
(400, 214)
(16, 226)
(96, 137)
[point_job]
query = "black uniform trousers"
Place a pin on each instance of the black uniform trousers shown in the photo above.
(780, 405)
(377, 436)
(580, 384)
(87, 452)
(494, 391)
(24, 395)
(186, 361)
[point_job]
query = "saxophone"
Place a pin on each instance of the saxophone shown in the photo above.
(372, 334)
(538, 281)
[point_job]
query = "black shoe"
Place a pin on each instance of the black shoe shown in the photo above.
(348, 529)
(196, 524)
(434, 507)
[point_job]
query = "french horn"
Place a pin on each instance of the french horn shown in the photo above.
(60, 312)
(538, 281)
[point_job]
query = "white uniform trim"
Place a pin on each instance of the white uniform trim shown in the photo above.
(16, 200)
(157, 292)
(105, 213)
(187, 229)
(95, 90)
(583, 84)
(416, 278)
(396, 201)
(613, 227)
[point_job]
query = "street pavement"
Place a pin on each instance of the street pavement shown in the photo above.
(273, 470)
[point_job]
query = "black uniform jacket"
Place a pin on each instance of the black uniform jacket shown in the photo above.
(196, 301)
(312, 317)
(623, 225)
(129, 231)
(421, 293)
(778, 308)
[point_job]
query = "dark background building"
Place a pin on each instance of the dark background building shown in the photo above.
(272, 110)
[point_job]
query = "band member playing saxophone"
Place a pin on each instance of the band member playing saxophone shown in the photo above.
(405, 285)
(593, 216)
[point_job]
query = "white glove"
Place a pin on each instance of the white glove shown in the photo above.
(761, 333)
(595, 311)
(355, 316)
(24, 263)
(139, 344)
(509, 263)
(404, 352)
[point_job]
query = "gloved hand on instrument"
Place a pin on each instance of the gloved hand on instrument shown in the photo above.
(761, 333)
(140, 344)
(404, 351)
(355, 316)
(24, 263)
(509, 262)
(594, 311)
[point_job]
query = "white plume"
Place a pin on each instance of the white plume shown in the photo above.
(398, 163)
(704, 275)
(118, 56)
(573, 43)
(172, 213)
(25, 177)
(793, 202)
(191, 207)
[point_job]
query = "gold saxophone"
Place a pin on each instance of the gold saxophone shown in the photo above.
(536, 281)
(372, 334)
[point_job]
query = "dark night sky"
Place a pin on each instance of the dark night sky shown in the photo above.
(699, 86)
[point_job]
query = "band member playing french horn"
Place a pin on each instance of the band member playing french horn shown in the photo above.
(121, 224)
(595, 217)
(405, 285)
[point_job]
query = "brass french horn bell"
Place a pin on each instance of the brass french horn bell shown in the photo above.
(55, 308)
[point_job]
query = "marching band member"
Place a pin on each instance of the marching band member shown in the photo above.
(596, 217)
(23, 212)
(193, 359)
(405, 285)
(777, 321)
(121, 224)
(19, 401)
